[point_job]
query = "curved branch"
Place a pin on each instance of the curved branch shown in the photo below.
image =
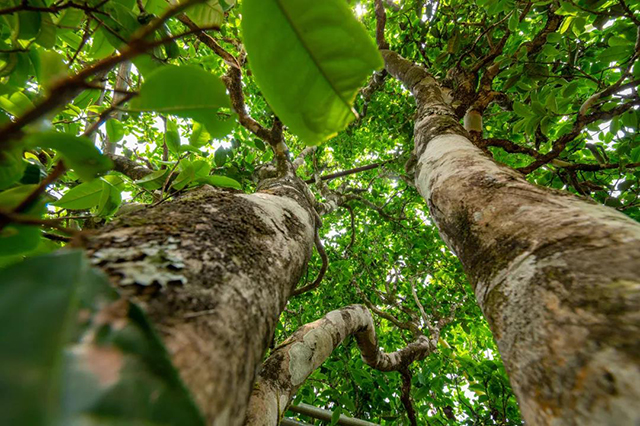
(129, 168)
(297, 357)
(323, 268)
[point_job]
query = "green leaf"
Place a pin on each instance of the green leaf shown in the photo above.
(29, 25)
(520, 109)
(551, 103)
(185, 91)
(33, 173)
(222, 181)
(615, 54)
(153, 180)
(115, 130)
(630, 119)
(201, 168)
(309, 58)
(207, 14)
(218, 127)
(220, 156)
(12, 167)
(513, 22)
(16, 104)
(199, 136)
(184, 177)
(103, 193)
(78, 153)
(16, 239)
(82, 197)
(571, 89)
(110, 198)
(47, 35)
(52, 63)
(259, 144)
(172, 137)
(74, 353)
(554, 37)
(538, 108)
(619, 41)
(336, 416)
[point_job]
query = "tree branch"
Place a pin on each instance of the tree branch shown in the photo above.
(296, 358)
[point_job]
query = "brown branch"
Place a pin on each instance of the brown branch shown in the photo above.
(350, 171)
(381, 21)
(210, 42)
(581, 122)
(405, 396)
(128, 167)
(598, 167)
(233, 81)
(323, 268)
(55, 8)
(553, 23)
(403, 325)
(56, 237)
(629, 13)
(510, 147)
(11, 217)
(353, 228)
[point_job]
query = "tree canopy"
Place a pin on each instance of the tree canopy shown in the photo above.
(108, 107)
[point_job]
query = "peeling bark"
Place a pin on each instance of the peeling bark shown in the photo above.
(296, 358)
(213, 270)
(557, 276)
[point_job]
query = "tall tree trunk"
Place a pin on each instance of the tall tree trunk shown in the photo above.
(556, 276)
(213, 270)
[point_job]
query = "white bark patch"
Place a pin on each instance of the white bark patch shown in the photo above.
(444, 150)
(145, 264)
(316, 346)
(273, 210)
(519, 272)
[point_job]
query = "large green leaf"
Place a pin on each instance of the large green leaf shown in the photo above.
(103, 193)
(207, 14)
(16, 238)
(154, 180)
(79, 153)
(309, 59)
(115, 130)
(186, 91)
(12, 167)
(74, 353)
(84, 196)
(221, 181)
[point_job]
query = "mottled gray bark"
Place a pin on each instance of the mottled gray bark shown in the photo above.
(291, 363)
(557, 276)
(213, 269)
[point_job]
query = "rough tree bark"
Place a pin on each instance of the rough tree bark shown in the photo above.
(213, 269)
(557, 276)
